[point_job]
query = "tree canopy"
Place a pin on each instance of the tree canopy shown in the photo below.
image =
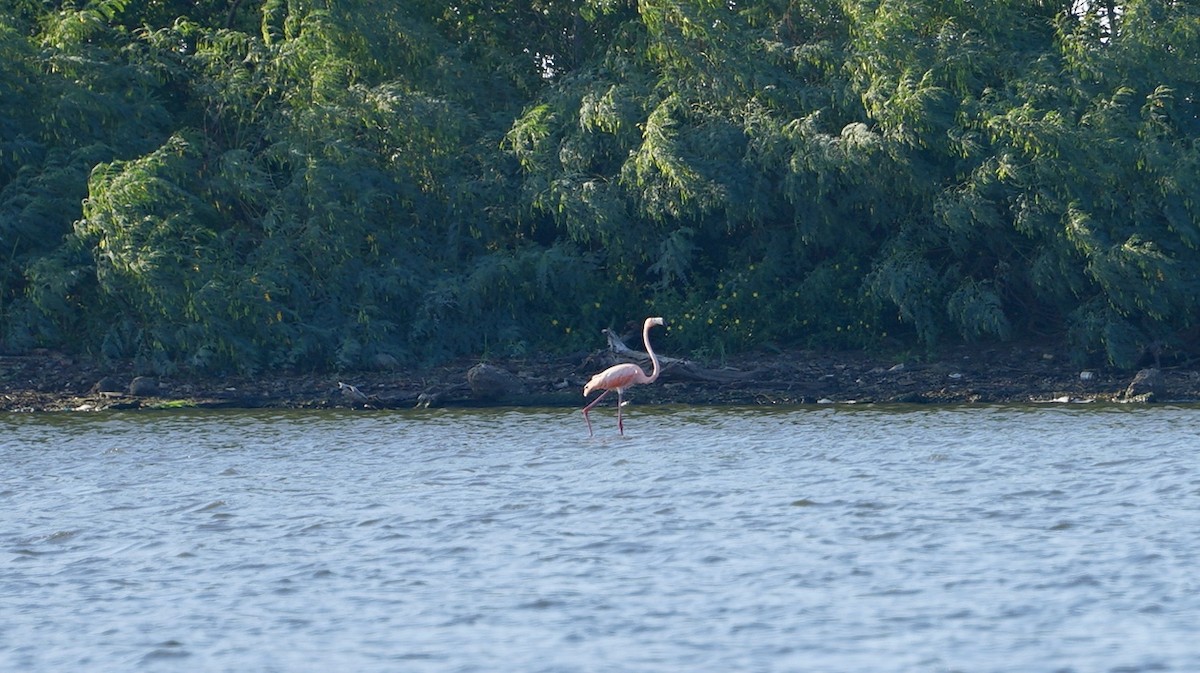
(307, 183)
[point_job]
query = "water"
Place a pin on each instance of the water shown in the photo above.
(831, 539)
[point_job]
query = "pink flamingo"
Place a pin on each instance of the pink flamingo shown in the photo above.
(619, 377)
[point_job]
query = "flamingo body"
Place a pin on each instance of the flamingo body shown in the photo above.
(620, 377)
(616, 377)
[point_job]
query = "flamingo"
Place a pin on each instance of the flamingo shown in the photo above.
(619, 377)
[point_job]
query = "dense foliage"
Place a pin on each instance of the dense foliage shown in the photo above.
(308, 183)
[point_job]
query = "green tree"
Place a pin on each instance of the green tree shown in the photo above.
(310, 183)
(1100, 165)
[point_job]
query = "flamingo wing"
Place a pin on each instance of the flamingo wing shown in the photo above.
(616, 377)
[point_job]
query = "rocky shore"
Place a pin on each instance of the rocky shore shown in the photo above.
(1009, 373)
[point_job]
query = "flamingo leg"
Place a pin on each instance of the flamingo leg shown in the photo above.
(589, 408)
(620, 403)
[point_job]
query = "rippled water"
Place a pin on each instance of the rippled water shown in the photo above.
(848, 539)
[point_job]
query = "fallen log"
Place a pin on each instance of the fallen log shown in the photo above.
(617, 346)
(676, 367)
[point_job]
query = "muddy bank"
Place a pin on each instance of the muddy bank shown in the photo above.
(992, 374)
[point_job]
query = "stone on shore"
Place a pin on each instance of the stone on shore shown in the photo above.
(491, 382)
(1145, 386)
(108, 384)
(144, 386)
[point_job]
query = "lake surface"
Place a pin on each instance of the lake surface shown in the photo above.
(707, 539)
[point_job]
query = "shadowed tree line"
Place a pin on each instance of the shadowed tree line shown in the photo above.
(306, 183)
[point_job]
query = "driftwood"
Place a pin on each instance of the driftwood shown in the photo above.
(616, 345)
(488, 385)
(443, 397)
(676, 367)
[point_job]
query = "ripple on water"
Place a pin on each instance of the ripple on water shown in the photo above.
(867, 539)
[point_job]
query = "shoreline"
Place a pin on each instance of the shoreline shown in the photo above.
(991, 374)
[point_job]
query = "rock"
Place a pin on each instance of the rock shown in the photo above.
(108, 384)
(144, 386)
(352, 393)
(490, 382)
(1146, 384)
(385, 362)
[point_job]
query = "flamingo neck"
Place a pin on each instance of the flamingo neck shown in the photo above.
(650, 351)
